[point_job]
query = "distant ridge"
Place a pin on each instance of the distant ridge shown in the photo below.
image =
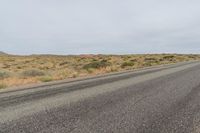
(3, 53)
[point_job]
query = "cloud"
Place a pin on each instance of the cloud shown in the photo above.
(106, 26)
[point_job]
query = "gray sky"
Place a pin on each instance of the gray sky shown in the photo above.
(99, 26)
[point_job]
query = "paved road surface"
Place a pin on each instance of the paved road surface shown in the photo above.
(157, 100)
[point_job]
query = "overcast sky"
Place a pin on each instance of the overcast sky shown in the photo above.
(99, 26)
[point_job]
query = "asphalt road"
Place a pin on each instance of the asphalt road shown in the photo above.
(155, 100)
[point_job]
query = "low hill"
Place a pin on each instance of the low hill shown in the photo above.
(3, 53)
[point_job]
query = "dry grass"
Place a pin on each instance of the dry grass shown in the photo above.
(46, 79)
(2, 86)
(19, 70)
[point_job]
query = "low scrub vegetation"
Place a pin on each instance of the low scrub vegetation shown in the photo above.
(4, 74)
(127, 64)
(2, 86)
(46, 79)
(19, 70)
(97, 64)
(32, 73)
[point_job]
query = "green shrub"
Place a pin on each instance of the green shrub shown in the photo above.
(4, 74)
(149, 59)
(32, 73)
(133, 60)
(2, 86)
(191, 56)
(146, 64)
(94, 59)
(90, 70)
(126, 57)
(97, 64)
(63, 63)
(127, 64)
(46, 79)
(167, 57)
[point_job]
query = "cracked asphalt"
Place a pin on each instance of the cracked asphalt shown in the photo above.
(163, 99)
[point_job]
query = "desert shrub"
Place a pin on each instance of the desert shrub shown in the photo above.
(192, 56)
(90, 70)
(74, 75)
(146, 64)
(4, 74)
(94, 60)
(126, 57)
(161, 60)
(32, 73)
(46, 79)
(168, 57)
(97, 64)
(27, 61)
(2, 86)
(149, 59)
(133, 60)
(63, 63)
(126, 64)
(19, 67)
